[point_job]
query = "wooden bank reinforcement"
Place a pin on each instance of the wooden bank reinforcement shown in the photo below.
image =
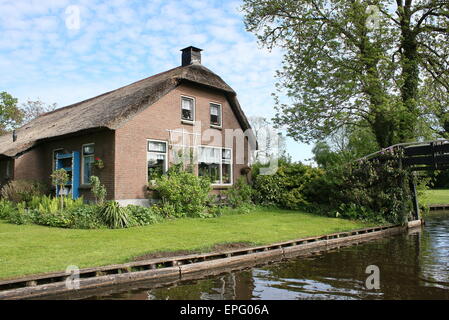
(188, 267)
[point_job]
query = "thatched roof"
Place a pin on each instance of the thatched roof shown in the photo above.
(112, 109)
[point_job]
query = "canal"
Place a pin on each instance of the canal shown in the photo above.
(411, 266)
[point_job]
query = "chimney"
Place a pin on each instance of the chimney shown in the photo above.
(191, 55)
(14, 136)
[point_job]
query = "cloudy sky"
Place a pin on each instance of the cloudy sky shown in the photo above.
(46, 52)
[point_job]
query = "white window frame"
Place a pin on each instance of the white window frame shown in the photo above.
(193, 111)
(221, 166)
(220, 115)
(53, 153)
(84, 183)
(166, 154)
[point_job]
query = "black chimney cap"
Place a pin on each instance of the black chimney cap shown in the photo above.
(191, 55)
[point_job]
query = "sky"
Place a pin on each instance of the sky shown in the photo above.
(62, 51)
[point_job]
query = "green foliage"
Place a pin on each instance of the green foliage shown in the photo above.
(143, 216)
(22, 190)
(341, 69)
(184, 192)
(286, 187)
(6, 207)
(59, 178)
(166, 210)
(376, 190)
(10, 115)
(85, 217)
(114, 216)
(239, 194)
(98, 190)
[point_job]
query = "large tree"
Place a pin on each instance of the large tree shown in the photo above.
(10, 115)
(354, 63)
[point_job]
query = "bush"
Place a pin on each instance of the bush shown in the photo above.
(166, 210)
(98, 190)
(114, 216)
(85, 217)
(143, 216)
(20, 215)
(287, 187)
(6, 207)
(239, 194)
(184, 192)
(22, 190)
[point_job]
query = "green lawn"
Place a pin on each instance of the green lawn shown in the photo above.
(30, 249)
(439, 196)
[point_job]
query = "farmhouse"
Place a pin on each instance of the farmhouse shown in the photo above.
(129, 136)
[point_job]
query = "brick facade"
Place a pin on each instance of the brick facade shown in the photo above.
(124, 151)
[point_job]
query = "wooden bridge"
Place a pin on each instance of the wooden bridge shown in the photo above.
(419, 156)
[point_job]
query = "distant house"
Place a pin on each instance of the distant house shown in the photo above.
(137, 132)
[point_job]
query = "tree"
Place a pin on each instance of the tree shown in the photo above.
(354, 63)
(59, 179)
(10, 115)
(33, 109)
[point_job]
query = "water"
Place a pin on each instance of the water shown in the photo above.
(412, 266)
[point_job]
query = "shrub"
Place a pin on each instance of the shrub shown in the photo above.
(6, 207)
(98, 190)
(114, 216)
(239, 194)
(20, 215)
(166, 210)
(22, 190)
(183, 191)
(85, 217)
(286, 188)
(143, 216)
(59, 178)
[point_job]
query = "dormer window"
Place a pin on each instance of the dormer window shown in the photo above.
(187, 109)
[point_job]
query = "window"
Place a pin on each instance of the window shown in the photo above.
(215, 163)
(8, 173)
(187, 109)
(55, 154)
(215, 114)
(156, 159)
(87, 162)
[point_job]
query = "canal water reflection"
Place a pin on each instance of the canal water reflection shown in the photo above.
(412, 266)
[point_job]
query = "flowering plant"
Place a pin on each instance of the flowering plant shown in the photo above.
(98, 163)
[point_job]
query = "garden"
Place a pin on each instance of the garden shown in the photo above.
(40, 232)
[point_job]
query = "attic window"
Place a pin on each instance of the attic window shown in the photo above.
(215, 114)
(187, 109)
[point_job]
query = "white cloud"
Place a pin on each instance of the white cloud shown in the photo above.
(121, 41)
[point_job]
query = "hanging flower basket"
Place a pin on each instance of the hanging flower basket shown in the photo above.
(98, 163)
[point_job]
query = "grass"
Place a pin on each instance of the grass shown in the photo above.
(437, 196)
(30, 249)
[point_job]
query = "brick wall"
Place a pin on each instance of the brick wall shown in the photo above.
(152, 123)
(37, 164)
